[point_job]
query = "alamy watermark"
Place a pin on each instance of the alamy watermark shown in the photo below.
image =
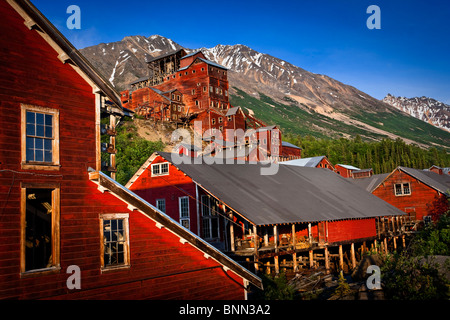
(374, 20)
(74, 20)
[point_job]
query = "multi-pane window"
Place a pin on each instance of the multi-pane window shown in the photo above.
(39, 137)
(184, 211)
(161, 204)
(402, 189)
(40, 221)
(115, 240)
(160, 169)
(210, 221)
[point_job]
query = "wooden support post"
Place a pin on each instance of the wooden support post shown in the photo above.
(294, 239)
(232, 244)
(352, 253)
(327, 260)
(277, 265)
(385, 246)
(395, 243)
(268, 267)
(311, 259)
(112, 141)
(275, 237)
(341, 258)
(309, 233)
(266, 237)
(403, 241)
(375, 244)
(294, 261)
(256, 246)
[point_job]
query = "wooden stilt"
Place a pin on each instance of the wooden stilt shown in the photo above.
(352, 253)
(327, 260)
(294, 260)
(341, 258)
(385, 246)
(395, 243)
(311, 259)
(277, 265)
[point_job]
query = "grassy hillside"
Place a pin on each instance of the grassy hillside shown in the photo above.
(292, 119)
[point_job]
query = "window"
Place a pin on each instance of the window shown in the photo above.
(229, 118)
(210, 221)
(161, 204)
(184, 211)
(115, 243)
(160, 169)
(204, 89)
(220, 119)
(196, 103)
(211, 89)
(40, 138)
(193, 91)
(402, 189)
(40, 227)
(213, 121)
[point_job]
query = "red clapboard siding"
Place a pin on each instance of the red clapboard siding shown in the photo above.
(421, 194)
(345, 230)
(161, 267)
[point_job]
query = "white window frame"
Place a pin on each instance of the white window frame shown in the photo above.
(40, 165)
(402, 188)
(184, 218)
(160, 167)
(126, 242)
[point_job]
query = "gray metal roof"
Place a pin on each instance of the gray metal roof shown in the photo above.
(432, 179)
(304, 162)
(292, 195)
(436, 181)
(370, 183)
(288, 144)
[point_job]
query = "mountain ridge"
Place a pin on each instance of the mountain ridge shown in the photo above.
(290, 89)
(424, 108)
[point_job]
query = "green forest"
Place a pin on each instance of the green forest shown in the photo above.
(382, 156)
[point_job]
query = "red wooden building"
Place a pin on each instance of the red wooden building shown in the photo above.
(345, 171)
(56, 213)
(297, 213)
(410, 190)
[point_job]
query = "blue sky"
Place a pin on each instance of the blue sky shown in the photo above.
(408, 56)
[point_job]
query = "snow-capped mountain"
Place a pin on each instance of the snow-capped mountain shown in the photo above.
(124, 61)
(426, 109)
(277, 91)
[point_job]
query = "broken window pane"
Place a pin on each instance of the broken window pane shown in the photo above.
(38, 230)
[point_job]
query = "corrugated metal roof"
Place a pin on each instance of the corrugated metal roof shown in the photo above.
(432, 179)
(370, 183)
(349, 167)
(287, 144)
(292, 195)
(304, 162)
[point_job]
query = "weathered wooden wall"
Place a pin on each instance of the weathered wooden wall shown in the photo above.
(415, 203)
(161, 267)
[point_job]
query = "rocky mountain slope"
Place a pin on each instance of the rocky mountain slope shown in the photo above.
(423, 108)
(276, 91)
